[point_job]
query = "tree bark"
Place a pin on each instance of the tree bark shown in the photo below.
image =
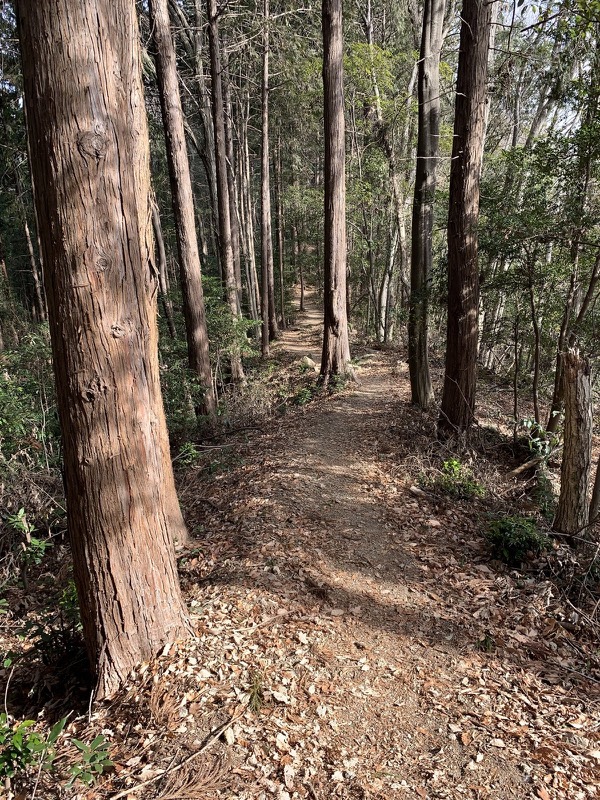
(225, 245)
(268, 269)
(277, 169)
(232, 193)
(161, 269)
(335, 359)
(595, 501)
(424, 198)
(90, 160)
(572, 511)
(458, 400)
(183, 205)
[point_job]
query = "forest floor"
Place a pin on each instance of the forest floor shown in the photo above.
(355, 639)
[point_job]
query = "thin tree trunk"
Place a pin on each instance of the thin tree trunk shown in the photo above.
(298, 268)
(458, 401)
(38, 292)
(161, 269)
(536, 345)
(595, 501)
(268, 270)
(232, 193)
(90, 161)
(572, 510)
(247, 217)
(336, 349)
(280, 227)
(225, 246)
(183, 205)
(424, 198)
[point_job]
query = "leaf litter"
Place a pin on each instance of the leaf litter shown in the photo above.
(353, 639)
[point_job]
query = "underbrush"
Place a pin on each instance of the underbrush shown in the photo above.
(454, 480)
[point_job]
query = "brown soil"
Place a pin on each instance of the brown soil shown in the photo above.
(354, 638)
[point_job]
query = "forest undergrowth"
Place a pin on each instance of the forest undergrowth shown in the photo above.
(376, 616)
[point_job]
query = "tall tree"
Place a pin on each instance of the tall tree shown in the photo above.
(335, 359)
(268, 271)
(225, 242)
(458, 401)
(90, 161)
(573, 508)
(183, 204)
(424, 198)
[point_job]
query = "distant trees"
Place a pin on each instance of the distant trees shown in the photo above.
(89, 148)
(183, 204)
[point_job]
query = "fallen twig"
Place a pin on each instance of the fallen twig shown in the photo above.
(210, 740)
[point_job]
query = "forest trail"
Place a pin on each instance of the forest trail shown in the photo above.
(360, 617)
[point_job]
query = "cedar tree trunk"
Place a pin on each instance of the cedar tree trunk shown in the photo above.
(336, 350)
(225, 244)
(90, 160)
(268, 271)
(422, 219)
(458, 401)
(572, 511)
(183, 204)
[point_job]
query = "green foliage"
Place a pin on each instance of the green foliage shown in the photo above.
(29, 428)
(23, 747)
(513, 537)
(182, 393)
(33, 549)
(95, 760)
(303, 396)
(337, 383)
(457, 480)
(540, 442)
(68, 603)
(188, 455)
(543, 495)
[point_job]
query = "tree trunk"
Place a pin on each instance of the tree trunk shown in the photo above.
(424, 198)
(161, 269)
(298, 269)
(458, 401)
(90, 160)
(572, 511)
(232, 192)
(535, 324)
(225, 245)
(183, 205)
(595, 501)
(336, 349)
(268, 270)
(39, 304)
(277, 169)
(247, 208)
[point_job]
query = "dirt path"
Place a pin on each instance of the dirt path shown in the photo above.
(383, 655)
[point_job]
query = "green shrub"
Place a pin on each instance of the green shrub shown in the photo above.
(302, 396)
(21, 747)
(28, 420)
(457, 481)
(94, 761)
(513, 538)
(543, 495)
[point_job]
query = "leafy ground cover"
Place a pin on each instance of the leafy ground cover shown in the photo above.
(356, 637)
